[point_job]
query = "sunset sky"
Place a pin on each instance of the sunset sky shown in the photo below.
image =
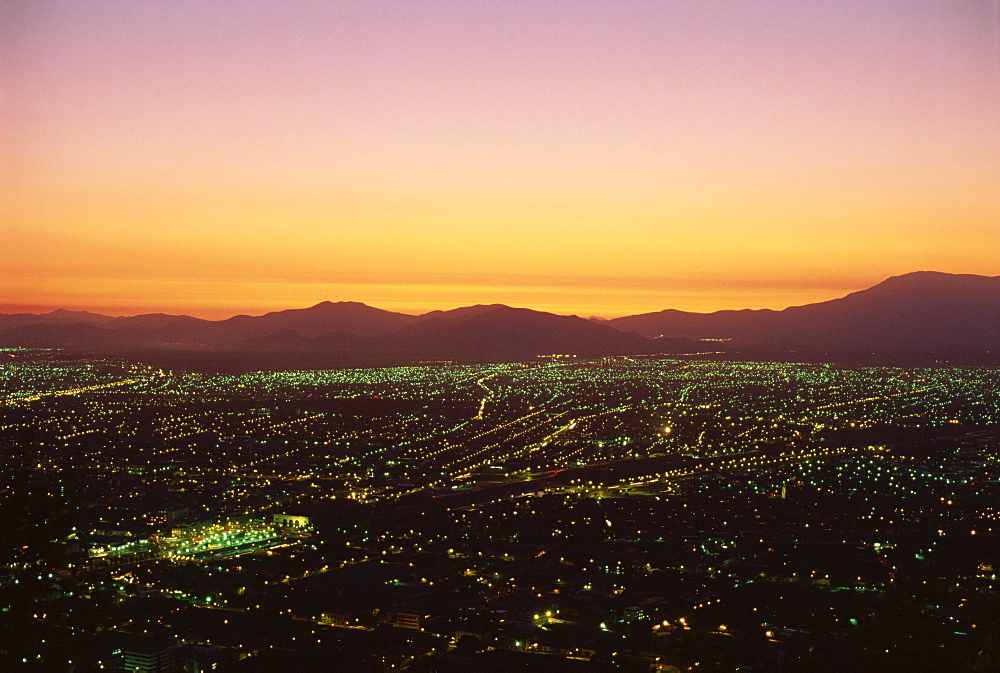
(591, 157)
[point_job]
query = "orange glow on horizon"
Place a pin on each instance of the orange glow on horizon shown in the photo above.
(609, 159)
(220, 300)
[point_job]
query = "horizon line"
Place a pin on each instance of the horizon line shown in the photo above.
(47, 309)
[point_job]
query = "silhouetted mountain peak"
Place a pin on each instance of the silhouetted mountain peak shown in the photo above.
(930, 292)
(498, 330)
(937, 282)
(64, 316)
(464, 311)
(925, 311)
(328, 305)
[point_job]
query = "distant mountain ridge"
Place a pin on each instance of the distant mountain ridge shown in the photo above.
(511, 332)
(921, 312)
(344, 328)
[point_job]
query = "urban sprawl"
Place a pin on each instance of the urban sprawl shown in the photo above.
(562, 514)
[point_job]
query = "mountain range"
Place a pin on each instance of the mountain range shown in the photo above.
(923, 313)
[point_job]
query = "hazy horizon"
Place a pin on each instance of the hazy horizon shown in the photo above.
(39, 310)
(222, 314)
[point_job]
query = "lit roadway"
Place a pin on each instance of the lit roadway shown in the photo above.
(488, 396)
(74, 391)
(634, 472)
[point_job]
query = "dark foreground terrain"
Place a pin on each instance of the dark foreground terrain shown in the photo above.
(555, 514)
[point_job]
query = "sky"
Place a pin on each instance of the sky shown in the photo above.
(590, 157)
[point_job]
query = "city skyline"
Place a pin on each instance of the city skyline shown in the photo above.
(593, 158)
